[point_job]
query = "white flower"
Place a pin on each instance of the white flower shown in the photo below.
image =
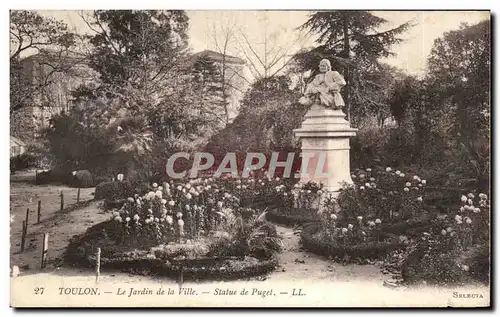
(160, 187)
(171, 203)
(169, 220)
(477, 210)
(130, 199)
(378, 221)
(483, 196)
(166, 185)
(159, 194)
(388, 169)
(368, 169)
(402, 175)
(119, 177)
(344, 230)
(458, 218)
(333, 216)
(470, 202)
(238, 187)
(470, 195)
(196, 194)
(406, 189)
(155, 185)
(277, 179)
(350, 226)
(420, 185)
(453, 233)
(408, 184)
(353, 176)
(296, 186)
(308, 191)
(188, 186)
(371, 223)
(360, 218)
(463, 198)
(156, 219)
(150, 195)
(163, 201)
(127, 219)
(179, 187)
(449, 229)
(136, 217)
(363, 233)
(219, 204)
(398, 172)
(180, 222)
(443, 232)
(420, 199)
(465, 268)
(367, 185)
(285, 194)
(320, 192)
(362, 176)
(179, 214)
(188, 207)
(150, 211)
(468, 220)
(372, 179)
(362, 187)
(423, 181)
(148, 220)
(188, 196)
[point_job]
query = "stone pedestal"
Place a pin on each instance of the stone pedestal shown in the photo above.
(325, 134)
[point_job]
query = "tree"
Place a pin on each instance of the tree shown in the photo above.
(460, 92)
(30, 33)
(352, 40)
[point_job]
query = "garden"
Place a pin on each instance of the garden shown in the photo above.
(419, 206)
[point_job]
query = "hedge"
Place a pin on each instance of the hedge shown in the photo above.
(371, 250)
(114, 190)
(295, 217)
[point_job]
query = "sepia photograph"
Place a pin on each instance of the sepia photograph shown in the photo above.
(250, 158)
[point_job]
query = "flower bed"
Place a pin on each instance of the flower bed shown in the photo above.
(316, 238)
(142, 257)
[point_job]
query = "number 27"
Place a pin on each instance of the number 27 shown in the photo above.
(39, 290)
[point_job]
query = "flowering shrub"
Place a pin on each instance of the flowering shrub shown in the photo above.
(192, 209)
(456, 250)
(382, 193)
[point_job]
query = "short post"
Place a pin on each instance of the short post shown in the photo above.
(62, 200)
(78, 196)
(27, 215)
(181, 276)
(39, 211)
(45, 249)
(98, 265)
(23, 235)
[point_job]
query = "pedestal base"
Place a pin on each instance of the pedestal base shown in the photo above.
(325, 139)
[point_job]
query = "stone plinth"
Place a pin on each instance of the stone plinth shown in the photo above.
(325, 134)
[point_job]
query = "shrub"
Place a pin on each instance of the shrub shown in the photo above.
(22, 161)
(456, 251)
(113, 190)
(385, 194)
(82, 179)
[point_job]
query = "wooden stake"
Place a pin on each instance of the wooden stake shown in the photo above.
(98, 265)
(39, 211)
(23, 236)
(62, 200)
(45, 249)
(78, 196)
(181, 276)
(27, 215)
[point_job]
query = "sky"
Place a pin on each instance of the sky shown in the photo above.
(280, 26)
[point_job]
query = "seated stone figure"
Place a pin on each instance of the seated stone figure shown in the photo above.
(325, 88)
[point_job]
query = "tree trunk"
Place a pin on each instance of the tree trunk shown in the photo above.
(346, 71)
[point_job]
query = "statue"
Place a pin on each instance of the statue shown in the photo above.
(325, 88)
